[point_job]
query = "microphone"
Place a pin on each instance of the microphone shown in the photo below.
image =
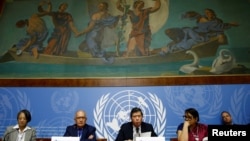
(7, 134)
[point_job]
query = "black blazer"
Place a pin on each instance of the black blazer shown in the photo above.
(87, 130)
(126, 131)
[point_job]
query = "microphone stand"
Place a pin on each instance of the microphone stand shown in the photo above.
(7, 134)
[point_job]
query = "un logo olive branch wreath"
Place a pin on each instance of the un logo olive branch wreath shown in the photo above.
(99, 123)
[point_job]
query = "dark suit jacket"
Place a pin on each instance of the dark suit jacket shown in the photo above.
(126, 131)
(87, 130)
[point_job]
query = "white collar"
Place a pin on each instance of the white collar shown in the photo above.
(17, 127)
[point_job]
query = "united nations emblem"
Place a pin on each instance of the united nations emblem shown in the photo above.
(179, 98)
(112, 111)
(10, 102)
(240, 110)
(64, 101)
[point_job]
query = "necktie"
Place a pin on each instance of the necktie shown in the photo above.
(80, 133)
(137, 131)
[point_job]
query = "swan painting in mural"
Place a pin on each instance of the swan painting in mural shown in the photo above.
(189, 68)
(224, 62)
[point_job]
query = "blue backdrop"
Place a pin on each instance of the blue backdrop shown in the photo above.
(107, 108)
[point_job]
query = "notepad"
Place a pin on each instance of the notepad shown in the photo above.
(145, 134)
(60, 138)
(150, 139)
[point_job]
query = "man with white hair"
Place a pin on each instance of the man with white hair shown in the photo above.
(81, 129)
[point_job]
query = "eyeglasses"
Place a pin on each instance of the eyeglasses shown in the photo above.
(187, 117)
(81, 117)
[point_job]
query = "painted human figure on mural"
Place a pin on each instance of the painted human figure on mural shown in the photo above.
(36, 32)
(95, 32)
(140, 35)
(210, 25)
(207, 26)
(63, 25)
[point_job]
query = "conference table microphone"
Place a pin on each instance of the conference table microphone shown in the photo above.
(7, 134)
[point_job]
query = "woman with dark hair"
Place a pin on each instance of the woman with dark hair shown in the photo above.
(191, 129)
(21, 131)
(226, 118)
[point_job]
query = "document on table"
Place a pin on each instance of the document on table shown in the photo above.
(145, 134)
(60, 138)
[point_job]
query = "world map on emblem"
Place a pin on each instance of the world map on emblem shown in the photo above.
(117, 110)
(64, 101)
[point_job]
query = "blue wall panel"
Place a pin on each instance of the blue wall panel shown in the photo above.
(107, 108)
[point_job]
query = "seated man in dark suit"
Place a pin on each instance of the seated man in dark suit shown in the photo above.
(130, 130)
(80, 128)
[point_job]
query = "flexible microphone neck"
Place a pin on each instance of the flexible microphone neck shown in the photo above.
(7, 134)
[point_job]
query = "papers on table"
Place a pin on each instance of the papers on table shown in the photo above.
(60, 138)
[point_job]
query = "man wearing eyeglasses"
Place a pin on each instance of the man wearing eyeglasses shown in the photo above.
(191, 129)
(81, 129)
(134, 128)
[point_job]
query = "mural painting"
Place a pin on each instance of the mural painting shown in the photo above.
(124, 38)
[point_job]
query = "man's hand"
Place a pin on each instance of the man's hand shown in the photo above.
(91, 137)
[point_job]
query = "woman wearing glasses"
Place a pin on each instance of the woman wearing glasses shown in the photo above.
(191, 129)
